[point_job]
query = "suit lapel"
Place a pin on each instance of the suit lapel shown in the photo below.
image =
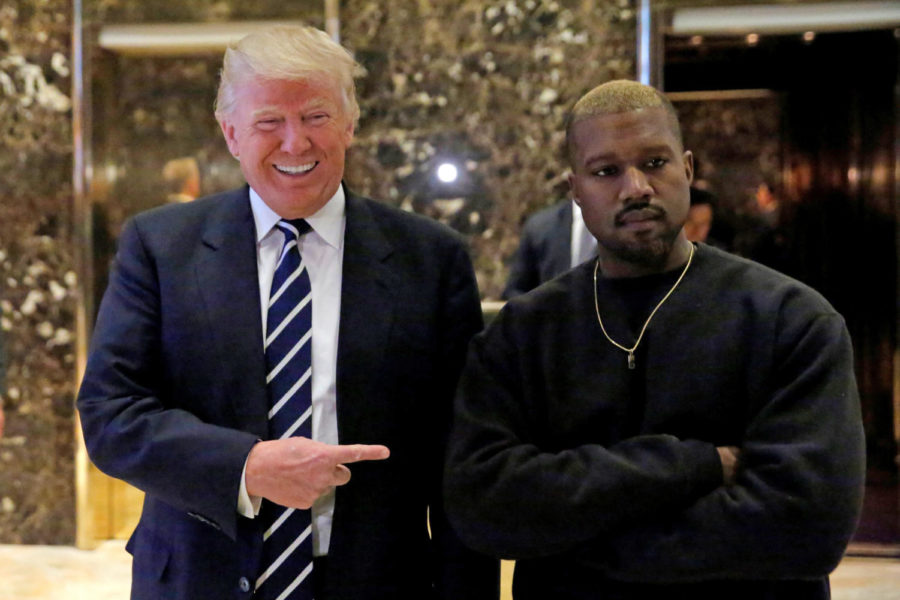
(229, 285)
(366, 317)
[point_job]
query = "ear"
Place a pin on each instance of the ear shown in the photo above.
(348, 134)
(688, 158)
(230, 138)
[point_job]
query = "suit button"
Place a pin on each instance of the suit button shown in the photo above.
(244, 584)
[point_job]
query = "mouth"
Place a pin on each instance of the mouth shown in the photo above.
(296, 169)
(639, 214)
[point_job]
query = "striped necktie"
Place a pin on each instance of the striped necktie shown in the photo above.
(287, 543)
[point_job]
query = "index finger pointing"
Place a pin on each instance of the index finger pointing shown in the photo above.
(351, 453)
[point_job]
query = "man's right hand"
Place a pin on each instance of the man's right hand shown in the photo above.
(730, 457)
(295, 471)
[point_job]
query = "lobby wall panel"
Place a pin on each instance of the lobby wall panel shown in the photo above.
(37, 278)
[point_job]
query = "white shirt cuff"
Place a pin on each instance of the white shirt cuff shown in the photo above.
(248, 506)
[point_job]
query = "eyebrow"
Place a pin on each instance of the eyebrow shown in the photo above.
(611, 156)
(263, 111)
(312, 105)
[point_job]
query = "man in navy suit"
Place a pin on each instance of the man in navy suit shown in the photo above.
(174, 396)
(553, 241)
(721, 455)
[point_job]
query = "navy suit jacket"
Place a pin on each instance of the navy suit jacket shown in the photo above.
(174, 397)
(545, 249)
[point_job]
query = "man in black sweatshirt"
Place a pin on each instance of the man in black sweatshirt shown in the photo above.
(668, 421)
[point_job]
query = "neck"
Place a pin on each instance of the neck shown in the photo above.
(613, 267)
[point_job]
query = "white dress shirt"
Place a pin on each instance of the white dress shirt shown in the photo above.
(584, 244)
(322, 250)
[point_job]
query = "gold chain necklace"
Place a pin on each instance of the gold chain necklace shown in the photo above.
(631, 350)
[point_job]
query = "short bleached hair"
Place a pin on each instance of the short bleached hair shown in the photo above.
(619, 96)
(290, 53)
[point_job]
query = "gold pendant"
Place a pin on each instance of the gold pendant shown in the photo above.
(631, 360)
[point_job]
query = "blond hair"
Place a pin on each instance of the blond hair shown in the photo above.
(619, 96)
(287, 52)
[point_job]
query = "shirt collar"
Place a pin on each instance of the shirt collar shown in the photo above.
(327, 222)
(576, 211)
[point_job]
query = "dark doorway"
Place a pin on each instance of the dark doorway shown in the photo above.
(831, 217)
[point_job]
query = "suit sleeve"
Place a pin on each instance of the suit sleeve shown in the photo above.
(510, 495)
(131, 428)
(459, 572)
(798, 495)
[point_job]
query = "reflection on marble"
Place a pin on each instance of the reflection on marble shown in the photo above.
(866, 579)
(63, 573)
(737, 146)
(167, 11)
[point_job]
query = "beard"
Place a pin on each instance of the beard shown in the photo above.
(651, 252)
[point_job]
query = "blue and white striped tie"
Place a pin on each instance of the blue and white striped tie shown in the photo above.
(287, 543)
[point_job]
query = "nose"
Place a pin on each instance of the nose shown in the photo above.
(635, 185)
(295, 139)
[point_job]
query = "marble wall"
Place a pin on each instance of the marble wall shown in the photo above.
(482, 85)
(37, 279)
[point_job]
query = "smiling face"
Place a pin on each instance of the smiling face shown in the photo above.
(631, 178)
(290, 138)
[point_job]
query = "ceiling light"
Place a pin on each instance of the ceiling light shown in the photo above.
(447, 172)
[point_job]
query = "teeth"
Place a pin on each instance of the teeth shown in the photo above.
(295, 170)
